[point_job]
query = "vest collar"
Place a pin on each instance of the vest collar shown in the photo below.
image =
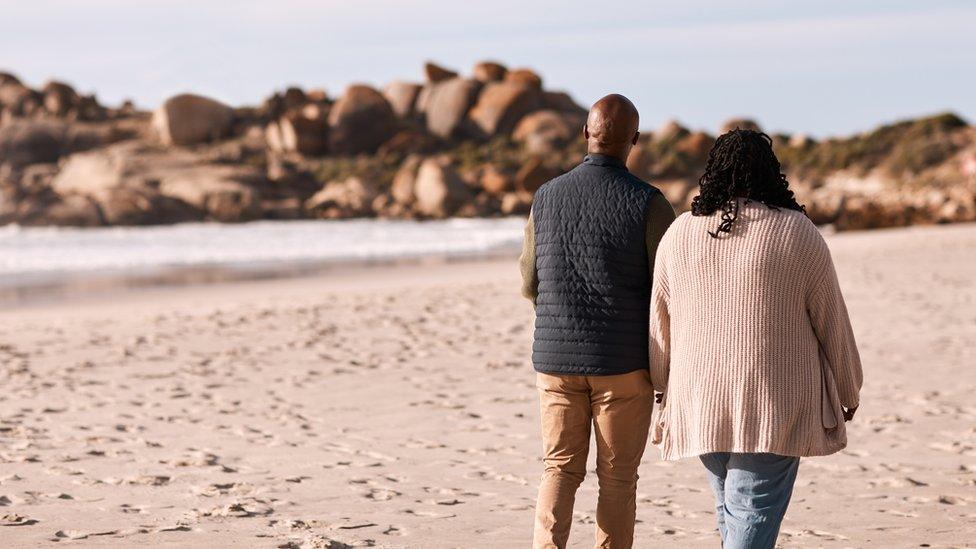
(603, 160)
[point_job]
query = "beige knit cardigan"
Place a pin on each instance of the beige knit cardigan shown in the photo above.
(750, 339)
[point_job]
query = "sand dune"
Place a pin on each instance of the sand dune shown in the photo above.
(396, 408)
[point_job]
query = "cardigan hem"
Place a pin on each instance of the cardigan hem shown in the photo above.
(759, 449)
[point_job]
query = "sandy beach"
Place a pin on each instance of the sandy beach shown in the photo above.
(395, 407)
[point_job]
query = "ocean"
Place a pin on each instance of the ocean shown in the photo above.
(39, 256)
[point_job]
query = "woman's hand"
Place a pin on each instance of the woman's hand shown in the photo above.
(849, 413)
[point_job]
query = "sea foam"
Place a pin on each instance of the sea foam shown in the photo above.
(47, 250)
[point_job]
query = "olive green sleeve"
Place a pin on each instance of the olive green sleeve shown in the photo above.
(530, 277)
(660, 215)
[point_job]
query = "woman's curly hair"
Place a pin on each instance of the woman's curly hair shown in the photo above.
(741, 164)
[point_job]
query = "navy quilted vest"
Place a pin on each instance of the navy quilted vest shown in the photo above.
(594, 286)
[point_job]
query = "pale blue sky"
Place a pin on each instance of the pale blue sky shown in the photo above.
(823, 67)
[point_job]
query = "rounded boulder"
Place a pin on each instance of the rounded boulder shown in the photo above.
(439, 191)
(501, 105)
(489, 71)
(402, 97)
(360, 121)
(527, 77)
(447, 105)
(543, 132)
(188, 119)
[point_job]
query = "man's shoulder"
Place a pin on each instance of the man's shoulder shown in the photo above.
(637, 183)
(555, 182)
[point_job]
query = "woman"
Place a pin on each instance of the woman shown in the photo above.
(751, 344)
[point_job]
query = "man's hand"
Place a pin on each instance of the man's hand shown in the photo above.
(849, 413)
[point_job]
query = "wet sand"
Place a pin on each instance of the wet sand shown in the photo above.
(395, 407)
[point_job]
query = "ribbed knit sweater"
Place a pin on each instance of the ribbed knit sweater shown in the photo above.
(750, 343)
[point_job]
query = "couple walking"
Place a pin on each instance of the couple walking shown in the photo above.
(731, 314)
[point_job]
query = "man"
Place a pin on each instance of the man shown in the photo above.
(586, 266)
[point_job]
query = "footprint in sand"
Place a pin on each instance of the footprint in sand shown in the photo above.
(381, 494)
(243, 508)
(13, 519)
(376, 491)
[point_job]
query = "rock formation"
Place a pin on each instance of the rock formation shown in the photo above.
(438, 190)
(188, 119)
(447, 104)
(454, 145)
(502, 105)
(360, 121)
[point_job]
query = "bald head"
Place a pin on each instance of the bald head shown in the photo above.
(611, 127)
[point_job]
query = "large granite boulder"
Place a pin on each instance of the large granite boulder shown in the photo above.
(360, 121)
(516, 203)
(25, 142)
(410, 140)
(215, 190)
(533, 174)
(402, 97)
(59, 98)
(695, 146)
(494, 181)
(19, 100)
(544, 132)
(501, 105)
(90, 172)
(294, 98)
(527, 77)
(8, 78)
(670, 130)
(136, 184)
(437, 73)
(679, 191)
(403, 182)
(304, 131)
(489, 71)
(142, 206)
(115, 180)
(65, 211)
(448, 104)
(188, 119)
(562, 102)
(439, 190)
(640, 160)
(338, 199)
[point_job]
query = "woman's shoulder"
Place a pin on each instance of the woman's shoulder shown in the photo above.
(673, 237)
(678, 226)
(806, 242)
(683, 219)
(800, 226)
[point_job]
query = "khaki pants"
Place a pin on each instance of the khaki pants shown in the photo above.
(619, 408)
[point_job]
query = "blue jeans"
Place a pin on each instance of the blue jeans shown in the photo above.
(752, 492)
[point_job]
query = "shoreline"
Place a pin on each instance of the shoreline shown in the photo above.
(67, 288)
(25, 291)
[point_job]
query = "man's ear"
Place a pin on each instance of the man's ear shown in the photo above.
(636, 137)
(586, 132)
